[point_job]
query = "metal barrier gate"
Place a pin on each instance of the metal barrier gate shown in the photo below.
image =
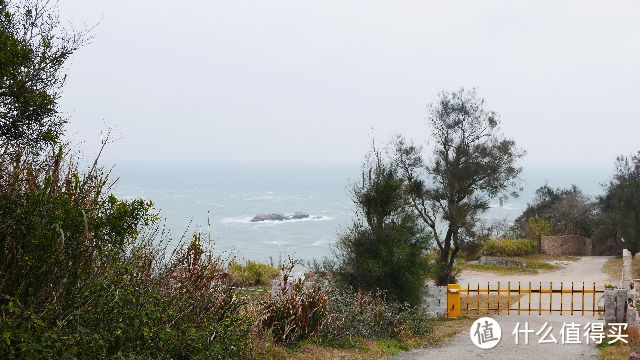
(572, 300)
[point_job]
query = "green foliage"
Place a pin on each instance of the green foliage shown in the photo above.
(35, 49)
(531, 267)
(294, 313)
(53, 218)
(82, 277)
(622, 201)
(510, 247)
(471, 164)
(357, 314)
(383, 249)
(557, 212)
(252, 273)
(537, 228)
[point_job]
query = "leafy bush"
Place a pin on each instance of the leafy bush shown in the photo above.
(384, 247)
(537, 228)
(84, 277)
(356, 314)
(183, 310)
(510, 247)
(560, 211)
(294, 313)
(252, 274)
(56, 225)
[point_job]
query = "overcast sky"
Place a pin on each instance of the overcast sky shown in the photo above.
(307, 81)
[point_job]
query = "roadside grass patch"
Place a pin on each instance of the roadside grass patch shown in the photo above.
(392, 346)
(532, 266)
(613, 268)
(366, 349)
(616, 351)
(545, 257)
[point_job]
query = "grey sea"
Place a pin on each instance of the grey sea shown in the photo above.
(189, 194)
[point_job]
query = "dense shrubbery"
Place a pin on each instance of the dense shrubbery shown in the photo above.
(510, 247)
(620, 206)
(557, 212)
(356, 314)
(605, 219)
(332, 313)
(79, 280)
(252, 273)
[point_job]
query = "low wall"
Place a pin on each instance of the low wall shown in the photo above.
(566, 245)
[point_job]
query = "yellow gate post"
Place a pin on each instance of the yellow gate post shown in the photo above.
(453, 300)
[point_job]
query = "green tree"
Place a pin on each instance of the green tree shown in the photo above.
(34, 49)
(384, 248)
(622, 201)
(565, 211)
(471, 164)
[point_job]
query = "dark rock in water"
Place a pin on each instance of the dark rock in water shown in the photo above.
(299, 215)
(279, 217)
(268, 217)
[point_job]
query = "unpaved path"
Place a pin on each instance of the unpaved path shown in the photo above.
(587, 269)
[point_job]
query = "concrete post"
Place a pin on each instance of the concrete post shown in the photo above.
(610, 305)
(615, 303)
(621, 304)
(627, 274)
(435, 300)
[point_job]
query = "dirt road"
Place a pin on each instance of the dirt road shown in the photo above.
(587, 269)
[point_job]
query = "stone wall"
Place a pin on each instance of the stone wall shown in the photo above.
(566, 245)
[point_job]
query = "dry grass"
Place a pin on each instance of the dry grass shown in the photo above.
(530, 268)
(619, 350)
(545, 257)
(613, 268)
(443, 330)
(615, 352)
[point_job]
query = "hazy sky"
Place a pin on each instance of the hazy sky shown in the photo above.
(306, 81)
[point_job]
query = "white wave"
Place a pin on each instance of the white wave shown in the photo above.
(262, 197)
(238, 220)
(271, 196)
(276, 242)
(247, 220)
(322, 242)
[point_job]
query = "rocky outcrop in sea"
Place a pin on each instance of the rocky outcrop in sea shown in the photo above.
(280, 217)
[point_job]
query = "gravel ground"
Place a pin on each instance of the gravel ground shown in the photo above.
(587, 269)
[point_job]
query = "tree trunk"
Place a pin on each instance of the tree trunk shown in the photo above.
(444, 273)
